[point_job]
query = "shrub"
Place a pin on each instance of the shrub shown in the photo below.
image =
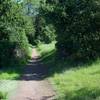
(77, 26)
(45, 32)
(13, 40)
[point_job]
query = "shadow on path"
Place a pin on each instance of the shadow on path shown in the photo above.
(35, 70)
(32, 83)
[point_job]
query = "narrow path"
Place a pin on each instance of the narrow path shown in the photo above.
(32, 85)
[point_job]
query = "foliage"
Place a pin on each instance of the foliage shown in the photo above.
(45, 32)
(13, 40)
(30, 29)
(77, 26)
(71, 80)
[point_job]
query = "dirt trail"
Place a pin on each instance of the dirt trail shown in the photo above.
(32, 85)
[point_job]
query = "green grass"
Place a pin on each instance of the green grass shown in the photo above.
(72, 81)
(45, 49)
(15, 69)
(30, 51)
(9, 76)
(81, 83)
(3, 96)
(10, 73)
(9, 80)
(8, 88)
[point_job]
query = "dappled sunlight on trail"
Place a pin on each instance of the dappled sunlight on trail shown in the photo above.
(32, 85)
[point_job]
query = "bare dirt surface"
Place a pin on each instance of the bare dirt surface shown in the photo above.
(33, 85)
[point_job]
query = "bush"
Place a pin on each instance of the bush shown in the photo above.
(45, 32)
(6, 51)
(13, 40)
(78, 34)
(30, 29)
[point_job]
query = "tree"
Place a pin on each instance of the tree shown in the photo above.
(44, 32)
(77, 28)
(13, 40)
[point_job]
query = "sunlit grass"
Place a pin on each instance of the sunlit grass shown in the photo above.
(3, 96)
(72, 81)
(45, 48)
(82, 83)
(15, 70)
(7, 88)
(12, 72)
(6, 75)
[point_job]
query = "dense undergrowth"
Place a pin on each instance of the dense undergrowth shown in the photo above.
(77, 24)
(71, 80)
(15, 68)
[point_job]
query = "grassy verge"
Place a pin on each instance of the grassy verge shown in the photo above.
(72, 81)
(9, 76)
(3, 96)
(15, 68)
(81, 83)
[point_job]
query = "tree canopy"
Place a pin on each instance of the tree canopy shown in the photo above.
(77, 26)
